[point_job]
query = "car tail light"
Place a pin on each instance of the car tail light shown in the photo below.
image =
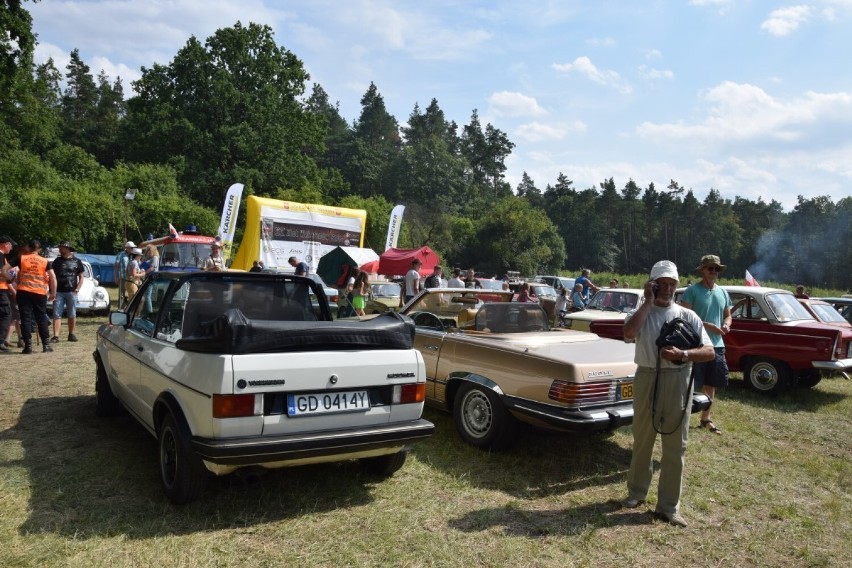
(236, 405)
(406, 394)
(333, 299)
(578, 394)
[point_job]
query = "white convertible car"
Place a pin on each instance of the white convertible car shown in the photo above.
(234, 370)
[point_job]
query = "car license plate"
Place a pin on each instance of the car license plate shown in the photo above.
(327, 403)
(625, 391)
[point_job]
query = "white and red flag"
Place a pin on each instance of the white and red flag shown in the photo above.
(172, 231)
(750, 280)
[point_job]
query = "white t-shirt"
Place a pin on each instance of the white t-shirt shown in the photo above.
(646, 339)
(412, 282)
(455, 283)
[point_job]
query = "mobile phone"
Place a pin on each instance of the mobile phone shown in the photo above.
(655, 289)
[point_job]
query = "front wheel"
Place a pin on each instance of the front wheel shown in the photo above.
(766, 375)
(809, 379)
(181, 471)
(107, 403)
(481, 419)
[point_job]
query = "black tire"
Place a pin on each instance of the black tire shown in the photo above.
(182, 474)
(481, 419)
(107, 403)
(765, 375)
(385, 465)
(809, 379)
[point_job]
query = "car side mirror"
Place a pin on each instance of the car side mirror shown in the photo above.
(118, 319)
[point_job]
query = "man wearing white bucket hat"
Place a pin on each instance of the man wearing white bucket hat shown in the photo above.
(660, 392)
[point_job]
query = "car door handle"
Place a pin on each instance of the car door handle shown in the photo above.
(139, 348)
(431, 347)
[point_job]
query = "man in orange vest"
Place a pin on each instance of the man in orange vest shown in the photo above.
(34, 271)
(6, 244)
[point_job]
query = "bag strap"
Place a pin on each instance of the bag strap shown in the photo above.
(686, 398)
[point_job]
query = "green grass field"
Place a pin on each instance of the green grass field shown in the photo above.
(75, 490)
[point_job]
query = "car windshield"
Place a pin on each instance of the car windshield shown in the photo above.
(491, 284)
(386, 290)
(184, 255)
(543, 291)
(612, 300)
(827, 313)
(514, 317)
(787, 308)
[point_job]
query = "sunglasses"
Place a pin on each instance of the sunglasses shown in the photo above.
(713, 268)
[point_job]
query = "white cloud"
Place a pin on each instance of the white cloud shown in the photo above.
(785, 21)
(505, 103)
(722, 5)
(584, 66)
(653, 74)
(539, 132)
(742, 112)
(653, 54)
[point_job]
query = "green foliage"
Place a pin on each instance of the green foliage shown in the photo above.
(517, 237)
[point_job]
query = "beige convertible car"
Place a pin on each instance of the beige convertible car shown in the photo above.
(492, 363)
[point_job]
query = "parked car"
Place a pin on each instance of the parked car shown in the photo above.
(234, 370)
(384, 296)
(493, 364)
(773, 340)
(92, 297)
(842, 305)
(825, 312)
(607, 303)
(558, 282)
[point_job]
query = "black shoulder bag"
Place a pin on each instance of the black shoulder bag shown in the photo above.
(675, 333)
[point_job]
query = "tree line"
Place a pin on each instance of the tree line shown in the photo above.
(240, 108)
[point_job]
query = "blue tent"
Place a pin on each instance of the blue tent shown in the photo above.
(102, 266)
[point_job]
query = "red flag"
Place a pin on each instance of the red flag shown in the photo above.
(750, 280)
(172, 231)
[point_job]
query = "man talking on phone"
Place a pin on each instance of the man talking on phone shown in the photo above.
(672, 391)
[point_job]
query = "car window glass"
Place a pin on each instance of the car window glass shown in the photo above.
(827, 313)
(147, 306)
(787, 308)
(170, 324)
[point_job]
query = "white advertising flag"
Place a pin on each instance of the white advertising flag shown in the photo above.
(393, 226)
(229, 218)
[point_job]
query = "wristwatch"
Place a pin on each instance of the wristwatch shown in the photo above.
(685, 357)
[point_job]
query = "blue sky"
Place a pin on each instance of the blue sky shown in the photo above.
(752, 98)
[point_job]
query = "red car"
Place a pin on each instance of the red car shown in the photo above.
(774, 340)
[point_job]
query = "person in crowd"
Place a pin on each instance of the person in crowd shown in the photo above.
(456, 281)
(119, 272)
(586, 281)
(713, 305)
(524, 293)
(215, 261)
(6, 278)
(360, 292)
(577, 303)
(561, 307)
(800, 292)
(134, 275)
(152, 264)
(656, 404)
(470, 280)
(613, 283)
(255, 267)
(434, 279)
(301, 267)
(32, 295)
(69, 279)
(412, 280)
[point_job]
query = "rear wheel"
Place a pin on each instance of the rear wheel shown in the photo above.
(107, 403)
(481, 419)
(385, 465)
(181, 471)
(766, 375)
(809, 378)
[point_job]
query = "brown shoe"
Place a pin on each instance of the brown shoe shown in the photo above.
(671, 518)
